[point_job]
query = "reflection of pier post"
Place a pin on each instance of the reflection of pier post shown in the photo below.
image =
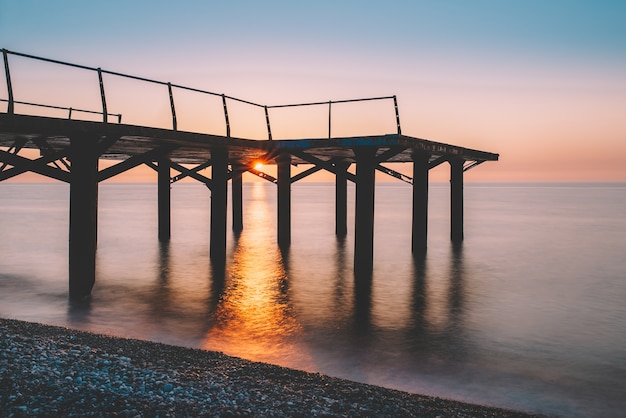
(341, 199)
(456, 200)
(364, 213)
(455, 331)
(457, 291)
(237, 199)
(284, 199)
(363, 303)
(164, 199)
(161, 296)
(420, 202)
(419, 303)
(219, 204)
(83, 215)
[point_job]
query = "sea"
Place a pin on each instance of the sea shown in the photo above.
(528, 313)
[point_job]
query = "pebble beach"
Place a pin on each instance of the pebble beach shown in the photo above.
(55, 371)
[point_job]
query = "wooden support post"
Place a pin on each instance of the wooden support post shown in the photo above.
(284, 199)
(456, 200)
(341, 199)
(164, 199)
(364, 211)
(419, 236)
(83, 234)
(219, 203)
(237, 198)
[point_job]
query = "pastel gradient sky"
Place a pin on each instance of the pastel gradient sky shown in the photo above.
(542, 83)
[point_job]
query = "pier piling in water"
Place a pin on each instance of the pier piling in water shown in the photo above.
(164, 199)
(284, 199)
(219, 201)
(364, 211)
(237, 196)
(456, 200)
(83, 225)
(341, 198)
(419, 227)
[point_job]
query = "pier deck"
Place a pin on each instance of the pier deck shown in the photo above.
(195, 148)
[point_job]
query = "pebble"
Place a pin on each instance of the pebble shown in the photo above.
(52, 371)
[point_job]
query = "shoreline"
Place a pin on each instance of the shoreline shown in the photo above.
(48, 370)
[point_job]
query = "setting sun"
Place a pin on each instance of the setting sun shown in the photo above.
(258, 165)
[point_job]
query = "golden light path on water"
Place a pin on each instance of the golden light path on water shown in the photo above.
(254, 318)
(261, 313)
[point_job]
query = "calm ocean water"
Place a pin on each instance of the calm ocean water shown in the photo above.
(528, 313)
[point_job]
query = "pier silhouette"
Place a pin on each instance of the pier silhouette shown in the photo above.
(70, 149)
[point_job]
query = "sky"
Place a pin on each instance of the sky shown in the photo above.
(542, 83)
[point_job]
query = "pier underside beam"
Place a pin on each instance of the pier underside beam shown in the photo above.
(40, 165)
(263, 175)
(83, 216)
(456, 200)
(394, 173)
(185, 172)
(419, 227)
(164, 198)
(364, 211)
(132, 162)
(15, 148)
(219, 204)
(328, 165)
(284, 199)
(306, 173)
(193, 173)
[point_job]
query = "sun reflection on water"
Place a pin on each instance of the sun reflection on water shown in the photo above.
(254, 318)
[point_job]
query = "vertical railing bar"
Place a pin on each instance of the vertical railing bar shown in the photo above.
(11, 106)
(395, 105)
(69, 116)
(119, 118)
(267, 120)
(226, 115)
(105, 114)
(329, 120)
(169, 89)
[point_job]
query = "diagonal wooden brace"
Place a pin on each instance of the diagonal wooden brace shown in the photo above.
(40, 165)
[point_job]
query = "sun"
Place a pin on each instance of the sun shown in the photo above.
(258, 165)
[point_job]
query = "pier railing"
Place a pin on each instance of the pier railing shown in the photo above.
(11, 102)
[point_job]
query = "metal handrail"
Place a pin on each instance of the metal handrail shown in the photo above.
(69, 109)
(170, 86)
(331, 102)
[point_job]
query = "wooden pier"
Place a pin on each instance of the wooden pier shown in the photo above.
(70, 150)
